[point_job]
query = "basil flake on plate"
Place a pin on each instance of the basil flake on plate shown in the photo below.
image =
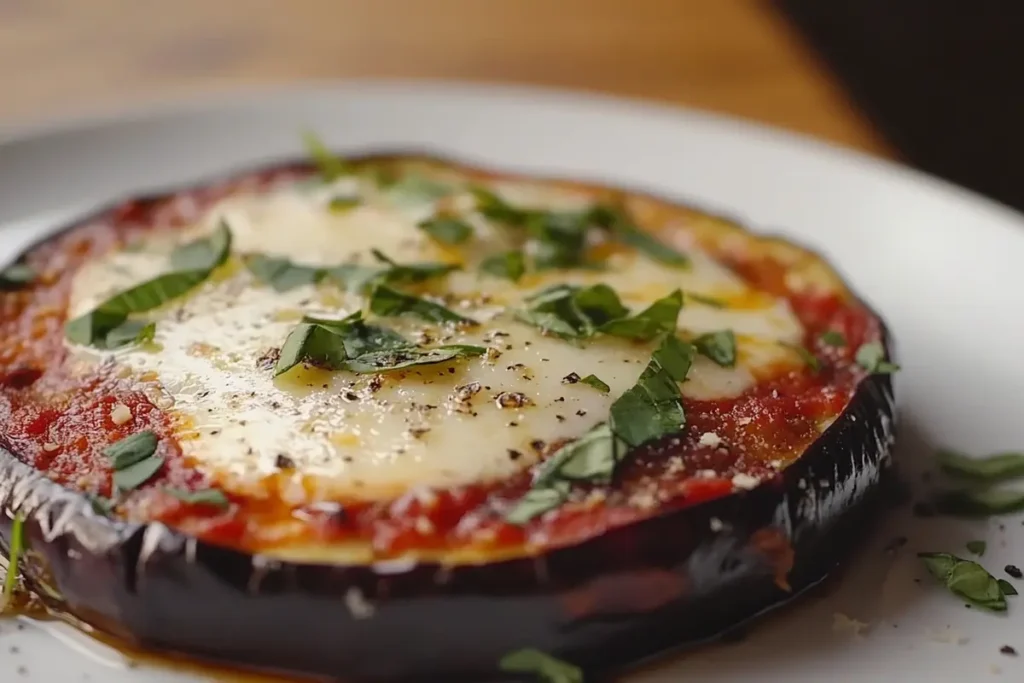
(134, 460)
(993, 468)
(543, 666)
(967, 579)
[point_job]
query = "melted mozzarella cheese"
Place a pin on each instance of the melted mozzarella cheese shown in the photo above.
(472, 420)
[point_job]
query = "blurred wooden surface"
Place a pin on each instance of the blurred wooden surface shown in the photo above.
(59, 57)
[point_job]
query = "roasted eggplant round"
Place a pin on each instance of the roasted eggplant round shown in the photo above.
(394, 419)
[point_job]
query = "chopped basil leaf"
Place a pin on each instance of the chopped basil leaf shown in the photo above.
(1006, 587)
(595, 381)
(355, 278)
(412, 189)
(494, 208)
(130, 331)
(447, 230)
(537, 501)
(204, 254)
(101, 505)
(14, 550)
(351, 344)
(385, 301)
(622, 228)
(718, 346)
(976, 547)
(871, 357)
(411, 272)
(329, 166)
(970, 503)
(314, 344)
(211, 497)
(649, 410)
(657, 319)
(706, 300)
(282, 274)
(967, 579)
(597, 305)
(833, 338)
(560, 239)
(16, 276)
(653, 407)
(397, 359)
(809, 359)
(510, 265)
(343, 204)
(131, 449)
(134, 476)
(543, 666)
(992, 468)
(572, 312)
(592, 457)
(194, 261)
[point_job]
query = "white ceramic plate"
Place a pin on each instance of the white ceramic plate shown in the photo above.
(942, 265)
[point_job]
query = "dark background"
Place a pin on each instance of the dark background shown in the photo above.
(942, 80)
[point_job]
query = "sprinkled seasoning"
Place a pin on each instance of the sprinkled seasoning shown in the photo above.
(1013, 571)
(571, 378)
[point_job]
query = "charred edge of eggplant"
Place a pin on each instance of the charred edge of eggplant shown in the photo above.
(606, 603)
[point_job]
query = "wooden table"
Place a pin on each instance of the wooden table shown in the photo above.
(59, 57)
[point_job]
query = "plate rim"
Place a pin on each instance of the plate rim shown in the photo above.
(176, 104)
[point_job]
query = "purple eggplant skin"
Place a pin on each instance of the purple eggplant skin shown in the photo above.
(605, 604)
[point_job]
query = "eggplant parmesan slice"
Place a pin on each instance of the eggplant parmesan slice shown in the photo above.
(395, 418)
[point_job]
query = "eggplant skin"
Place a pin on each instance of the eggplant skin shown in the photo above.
(671, 581)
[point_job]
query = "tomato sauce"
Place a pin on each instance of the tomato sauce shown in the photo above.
(59, 420)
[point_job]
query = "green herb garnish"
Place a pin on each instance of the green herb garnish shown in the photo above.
(129, 332)
(494, 208)
(16, 276)
(657, 319)
(595, 381)
(979, 503)
(510, 265)
(871, 357)
(543, 666)
(402, 273)
(574, 312)
(718, 346)
(353, 345)
(992, 468)
(282, 274)
(967, 579)
(1007, 587)
(649, 410)
(385, 301)
(328, 165)
(622, 228)
(412, 189)
(706, 300)
(809, 359)
(447, 230)
(833, 338)
(343, 204)
(211, 497)
(14, 550)
(193, 263)
(133, 460)
(976, 547)
(131, 449)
